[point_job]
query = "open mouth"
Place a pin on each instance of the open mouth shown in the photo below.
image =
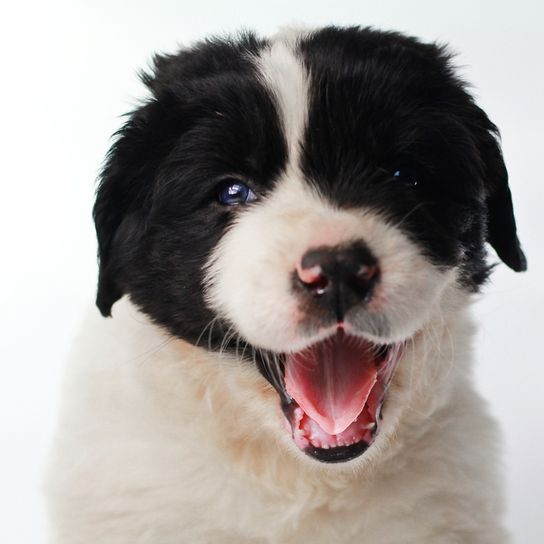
(335, 392)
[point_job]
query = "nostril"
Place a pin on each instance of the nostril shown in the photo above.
(313, 279)
(367, 272)
(362, 282)
(318, 286)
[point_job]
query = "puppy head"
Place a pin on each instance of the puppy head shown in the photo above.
(315, 198)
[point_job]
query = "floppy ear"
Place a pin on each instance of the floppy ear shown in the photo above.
(501, 229)
(501, 224)
(124, 195)
(119, 207)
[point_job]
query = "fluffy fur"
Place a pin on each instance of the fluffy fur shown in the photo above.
(170, 432)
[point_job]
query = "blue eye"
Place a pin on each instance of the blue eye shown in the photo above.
(406, 177)
(233, 192)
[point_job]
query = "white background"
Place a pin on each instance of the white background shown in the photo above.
(67, 72)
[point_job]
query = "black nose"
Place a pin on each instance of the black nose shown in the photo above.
(338, 278)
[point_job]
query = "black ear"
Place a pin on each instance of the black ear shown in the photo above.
(119, 207)
(501, 229)
(124, 195)
(501, 224)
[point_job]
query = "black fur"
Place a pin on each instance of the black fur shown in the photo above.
(380, 103)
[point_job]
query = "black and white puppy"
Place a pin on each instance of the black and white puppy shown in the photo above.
(299, 225)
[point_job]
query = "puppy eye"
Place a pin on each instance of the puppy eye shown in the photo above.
(406, 176)
(233, 192)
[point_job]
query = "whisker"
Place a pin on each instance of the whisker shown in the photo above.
(209, 324)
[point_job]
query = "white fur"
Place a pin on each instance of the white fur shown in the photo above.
(161, 442)
(283, 73)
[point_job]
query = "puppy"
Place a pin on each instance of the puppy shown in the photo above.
(292, 231)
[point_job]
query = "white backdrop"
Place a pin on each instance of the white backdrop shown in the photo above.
(67, 72)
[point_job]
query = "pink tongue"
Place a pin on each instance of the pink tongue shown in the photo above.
(331, 380)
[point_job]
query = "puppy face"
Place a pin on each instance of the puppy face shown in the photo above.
(313, 199)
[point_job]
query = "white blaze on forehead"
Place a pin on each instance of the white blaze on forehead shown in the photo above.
(286, 77)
